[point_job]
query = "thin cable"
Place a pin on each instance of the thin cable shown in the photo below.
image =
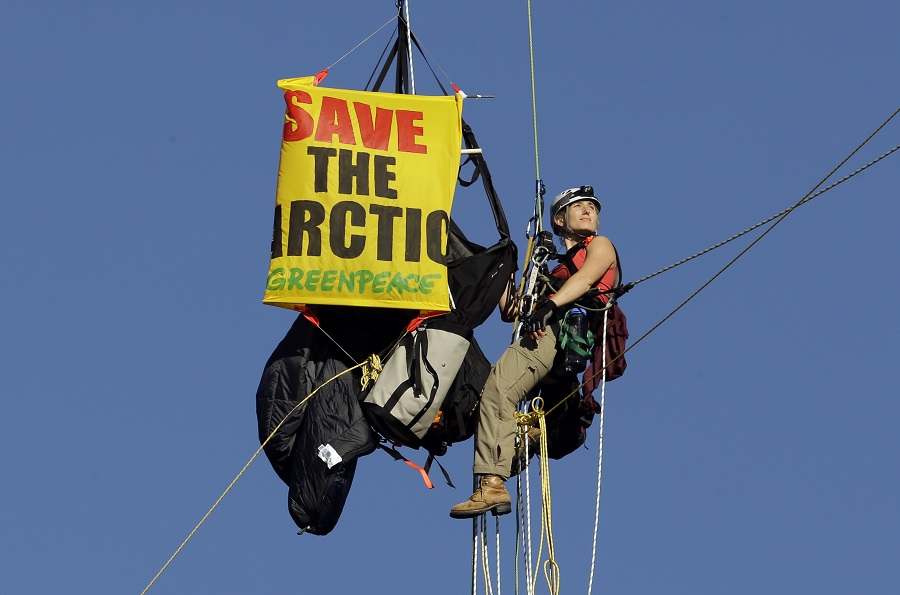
(538, 216)
(339, 346)
(235, 480)
(430, 58)
(810, 196)
(537, 166)
(770, 219)
(362, 42)
(778, 219)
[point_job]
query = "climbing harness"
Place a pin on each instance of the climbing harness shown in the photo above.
(541, 250)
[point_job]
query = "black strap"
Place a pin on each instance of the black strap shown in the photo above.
(420, 348)
(399, 50)
(395, 454)
(433, 459)
(482, 171)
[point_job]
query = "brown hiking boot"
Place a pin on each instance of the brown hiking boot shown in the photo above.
(490, 495)
(520, 461)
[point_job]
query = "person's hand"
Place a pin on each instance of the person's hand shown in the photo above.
(543, 314)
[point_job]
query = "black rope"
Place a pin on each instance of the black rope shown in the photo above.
(808, 197)
(778, 219)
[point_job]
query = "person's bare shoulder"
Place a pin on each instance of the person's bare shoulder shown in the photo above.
(601, 244)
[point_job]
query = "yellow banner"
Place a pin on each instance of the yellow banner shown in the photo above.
(365, 187)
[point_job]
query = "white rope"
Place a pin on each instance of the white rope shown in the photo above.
(485, 563)
(497, 531)
(523, 507)
(475, 556)
(599, 453)
(520, 532)
(530, 564)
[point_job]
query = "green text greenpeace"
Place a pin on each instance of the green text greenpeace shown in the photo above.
(340, 281)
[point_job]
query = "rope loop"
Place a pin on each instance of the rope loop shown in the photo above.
(534, 416)
(371, 368)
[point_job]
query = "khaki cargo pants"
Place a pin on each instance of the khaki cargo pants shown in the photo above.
(521, 367)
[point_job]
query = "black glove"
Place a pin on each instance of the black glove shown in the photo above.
(543, 314)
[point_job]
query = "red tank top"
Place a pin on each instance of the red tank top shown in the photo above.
(564, 271)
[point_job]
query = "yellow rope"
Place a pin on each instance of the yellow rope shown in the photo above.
(537, 166)
(537, 416)
(371, 369)
(372, 361)
(521, 292)
(538, 211)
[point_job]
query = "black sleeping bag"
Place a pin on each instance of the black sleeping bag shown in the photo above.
(328, 428)
(333, 432)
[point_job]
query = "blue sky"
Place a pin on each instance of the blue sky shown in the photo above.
(752, 445)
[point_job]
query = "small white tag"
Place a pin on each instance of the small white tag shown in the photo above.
(329, 455)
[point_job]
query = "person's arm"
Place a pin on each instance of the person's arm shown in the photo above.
(599, 258)
(509, 303)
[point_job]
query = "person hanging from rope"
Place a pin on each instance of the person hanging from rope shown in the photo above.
(590, 263)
